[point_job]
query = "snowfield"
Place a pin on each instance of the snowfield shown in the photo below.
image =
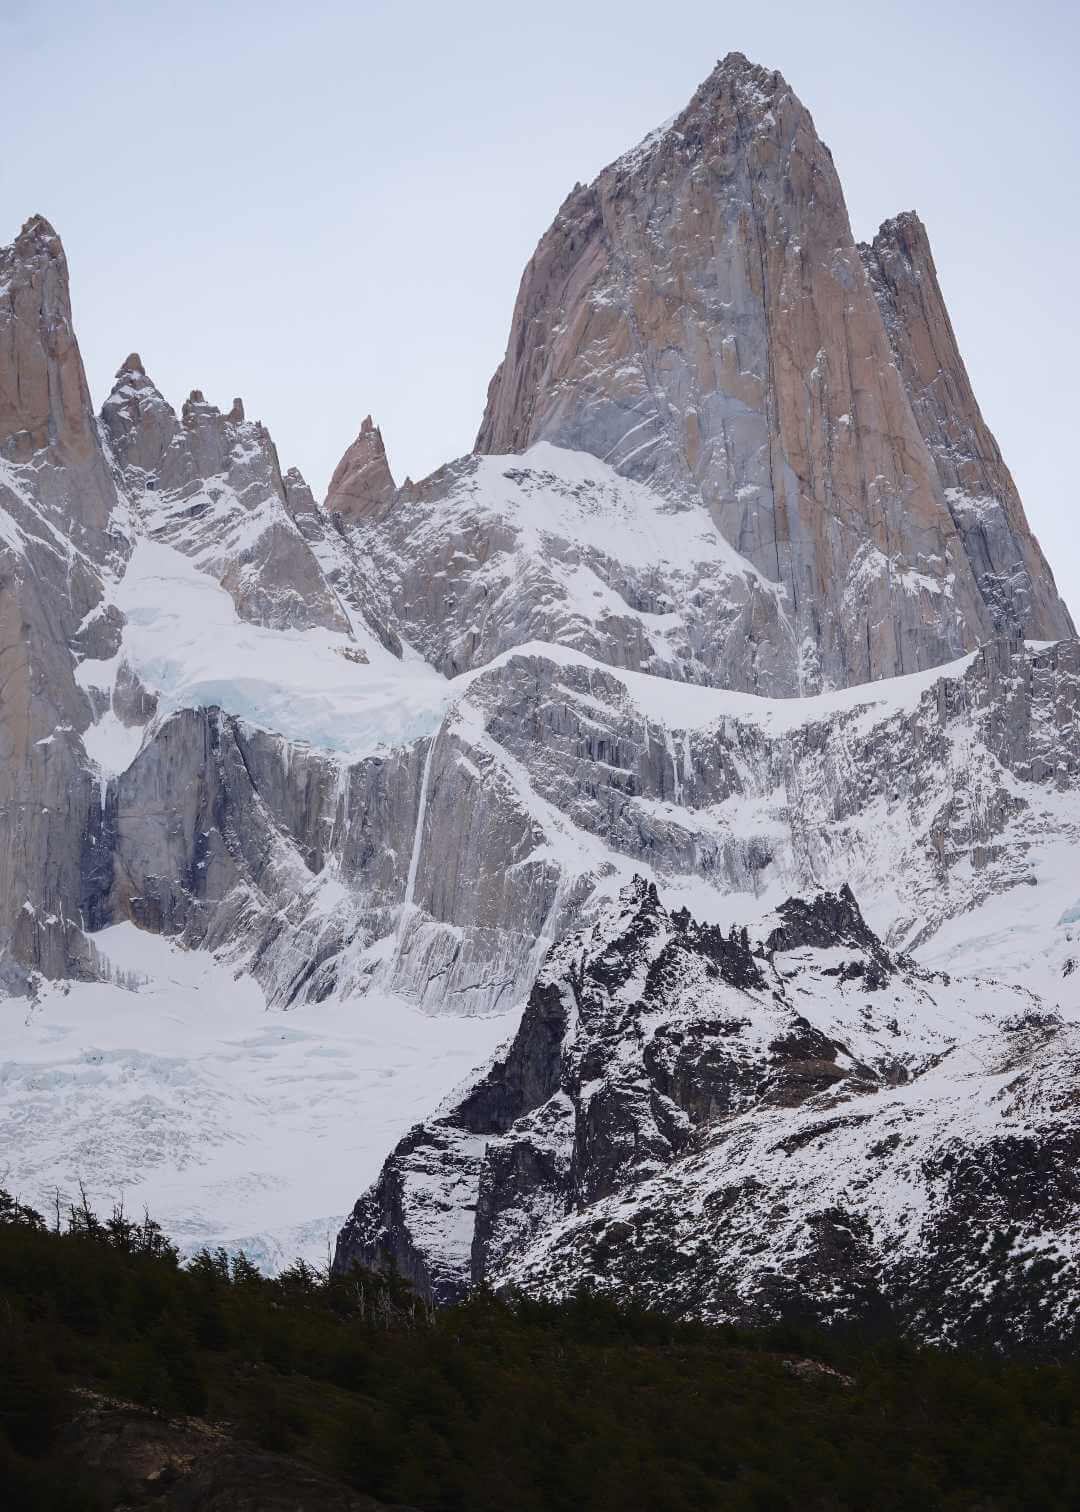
(172, 1086)
(186, 642)
(727, 1124)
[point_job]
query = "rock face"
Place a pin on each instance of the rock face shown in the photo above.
(699, 317)
(806, 1127)
(1011, 572)
(345, 570)
(362, 487)
(407, 742)
(253, 845)
(548, 782)
(493, 552)
(44, 400)
(61, 528)
(211, 485)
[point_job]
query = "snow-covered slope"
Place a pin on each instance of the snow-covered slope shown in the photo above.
(340, 824)
(556, 546)
(167, 1082)
(791, 1122)
(349, 772)
(433, 835)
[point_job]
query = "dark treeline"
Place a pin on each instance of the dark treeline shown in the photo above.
(502, 1403)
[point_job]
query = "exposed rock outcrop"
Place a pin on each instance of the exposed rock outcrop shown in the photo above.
(699, 317)
(61, 528)
(808, 1128)
(211, 485)
(1011, 572)
(344, 569)
(139, 1458)
(44, 399)
(362, 487)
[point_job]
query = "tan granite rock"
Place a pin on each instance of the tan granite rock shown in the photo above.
(62, 526)
(1014, 577)
(699, 317)
(362, 487)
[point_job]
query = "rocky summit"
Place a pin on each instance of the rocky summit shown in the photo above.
(802, 1126)
(700, 317)
(708, 739)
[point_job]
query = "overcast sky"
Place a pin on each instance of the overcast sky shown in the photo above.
(326, 207)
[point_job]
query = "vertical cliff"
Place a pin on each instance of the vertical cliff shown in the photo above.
(699, 317)
(62, 531)
(1012, 574)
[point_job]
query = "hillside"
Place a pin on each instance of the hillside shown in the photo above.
(131, 1382)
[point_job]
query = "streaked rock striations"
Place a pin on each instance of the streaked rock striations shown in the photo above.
(699, 317)
(362, 487)
(61, 529)
(411, 739)
(1012, 574)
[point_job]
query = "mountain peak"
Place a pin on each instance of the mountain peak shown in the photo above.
(907, 227)
(132, 393)
(696, 319)
(736, 91)
(737, 68)
(362, 487)
(44, 398)
(38, 232)
(1012, 576)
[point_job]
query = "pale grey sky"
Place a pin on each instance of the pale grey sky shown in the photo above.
(326, 207)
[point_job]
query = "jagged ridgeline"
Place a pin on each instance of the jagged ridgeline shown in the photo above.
(809, 1129)
(735, 596)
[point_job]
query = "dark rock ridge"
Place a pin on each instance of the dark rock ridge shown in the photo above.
(807, 1127)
